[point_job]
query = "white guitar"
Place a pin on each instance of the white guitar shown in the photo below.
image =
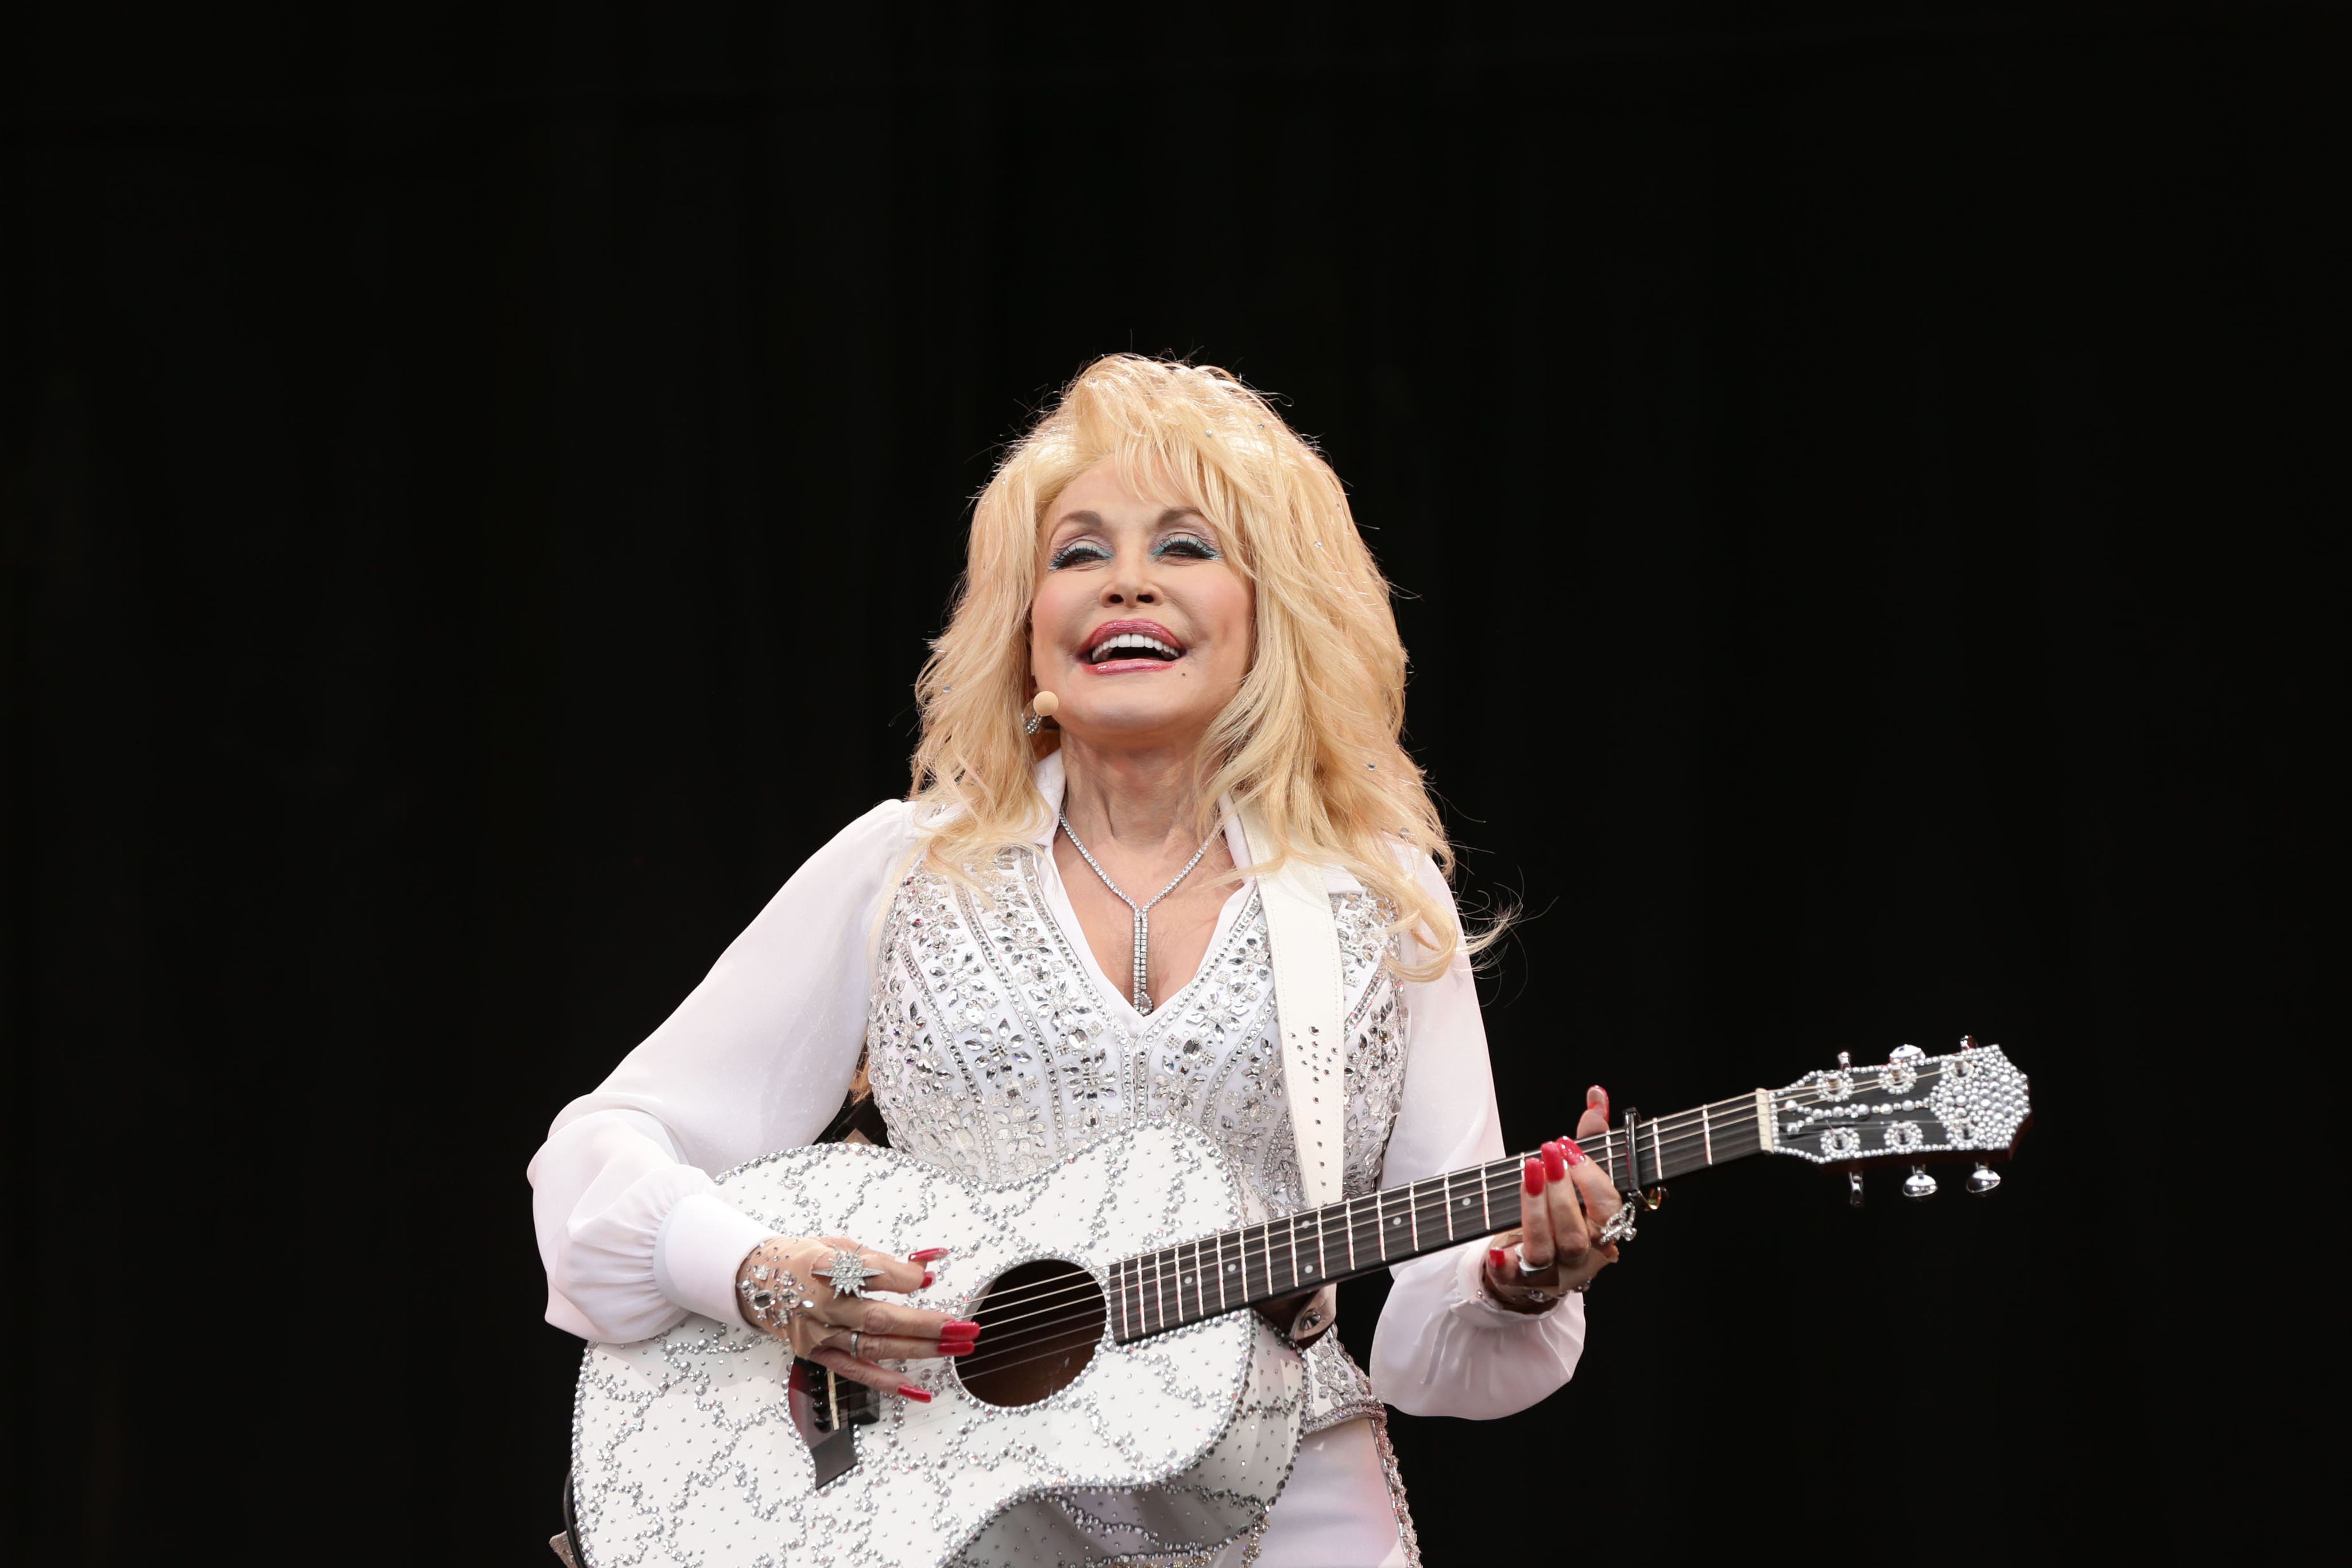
(1124, 1401)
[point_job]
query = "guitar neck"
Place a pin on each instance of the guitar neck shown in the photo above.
(1155, 1291)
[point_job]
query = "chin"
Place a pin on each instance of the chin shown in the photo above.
(1136, 721)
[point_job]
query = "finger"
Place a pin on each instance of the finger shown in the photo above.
(1569, 1234)
(889, 1318)
(1500, 1270)
(840, 1360)
(1535, 1216)
(1595, 1119)
(898, 1347)
(1602, 1200)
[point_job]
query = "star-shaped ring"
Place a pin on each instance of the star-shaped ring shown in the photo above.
(848, 1274)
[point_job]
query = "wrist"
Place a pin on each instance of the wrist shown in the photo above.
(768, 1294)
(1502, 1286)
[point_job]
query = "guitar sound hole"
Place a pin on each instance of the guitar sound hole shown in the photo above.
(1039, 1324)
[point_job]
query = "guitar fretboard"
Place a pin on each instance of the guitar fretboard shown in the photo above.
(1156, 1291)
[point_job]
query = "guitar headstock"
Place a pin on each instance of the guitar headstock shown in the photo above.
(1910, 1110)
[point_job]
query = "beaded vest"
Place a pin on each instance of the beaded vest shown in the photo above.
(992, 1051)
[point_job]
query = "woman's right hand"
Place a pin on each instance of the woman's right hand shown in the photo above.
(785, 1291)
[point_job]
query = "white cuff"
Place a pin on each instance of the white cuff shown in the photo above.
(702, 1243)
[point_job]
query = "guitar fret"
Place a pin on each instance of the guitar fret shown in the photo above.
(1254, 1264)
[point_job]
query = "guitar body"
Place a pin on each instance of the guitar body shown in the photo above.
(1053, 1443)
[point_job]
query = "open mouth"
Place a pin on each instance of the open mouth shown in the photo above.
(1133, 642)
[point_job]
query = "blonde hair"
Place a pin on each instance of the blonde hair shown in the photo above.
(1310, 742)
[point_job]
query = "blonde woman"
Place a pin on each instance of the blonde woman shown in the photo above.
(1174, 575)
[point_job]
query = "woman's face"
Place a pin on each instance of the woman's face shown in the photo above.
(1141, 626)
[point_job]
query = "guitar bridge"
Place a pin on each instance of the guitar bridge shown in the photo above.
(826, 1407)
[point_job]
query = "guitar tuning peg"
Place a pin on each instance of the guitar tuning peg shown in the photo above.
(1983, 1179)
(1919, 1186)
(1853, 1189)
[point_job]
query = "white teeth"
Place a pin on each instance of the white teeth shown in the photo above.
(1104, 649)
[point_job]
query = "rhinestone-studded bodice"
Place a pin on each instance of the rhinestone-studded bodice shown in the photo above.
(991, 1052)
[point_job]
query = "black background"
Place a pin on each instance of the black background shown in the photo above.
(478, 482)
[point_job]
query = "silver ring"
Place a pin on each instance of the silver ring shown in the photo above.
(1528, 1268)
(848, 1274)
(852, 1346)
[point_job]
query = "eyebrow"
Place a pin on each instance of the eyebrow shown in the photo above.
(1094, 519)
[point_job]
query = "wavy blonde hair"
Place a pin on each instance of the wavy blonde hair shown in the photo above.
(1310, 743)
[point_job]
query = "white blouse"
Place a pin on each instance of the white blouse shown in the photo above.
(758, 1058)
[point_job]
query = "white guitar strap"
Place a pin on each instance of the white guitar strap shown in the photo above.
(1310, 1013)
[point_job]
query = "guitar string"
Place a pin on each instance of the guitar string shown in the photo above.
(1150, 1283)
(1086, 1324)
(1419, 1201)
(1148, 1291)
(1498, 1179)
(1420, 1206)
(1148, 1286)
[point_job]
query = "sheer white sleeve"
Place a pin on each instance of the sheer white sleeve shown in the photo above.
(1443, 1347)
(756, 1059)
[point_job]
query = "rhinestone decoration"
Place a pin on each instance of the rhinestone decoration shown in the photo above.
(1974, 1099)
(683, 1448)
(991, 1051)
(993, 1056)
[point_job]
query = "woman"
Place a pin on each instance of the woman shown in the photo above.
(1057, 935)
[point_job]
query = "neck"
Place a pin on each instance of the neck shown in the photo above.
(1142, 800)
(1159, 1291)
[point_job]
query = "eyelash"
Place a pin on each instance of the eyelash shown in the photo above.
(1069, 555)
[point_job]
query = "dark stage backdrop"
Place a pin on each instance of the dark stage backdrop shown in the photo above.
(478, 482)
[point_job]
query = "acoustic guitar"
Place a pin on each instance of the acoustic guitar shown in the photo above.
(1123, 1400)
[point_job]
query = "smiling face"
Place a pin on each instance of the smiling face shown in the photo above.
(1140, 625)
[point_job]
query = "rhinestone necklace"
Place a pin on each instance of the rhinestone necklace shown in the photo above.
(1143, 998)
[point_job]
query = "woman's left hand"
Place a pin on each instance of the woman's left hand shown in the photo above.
(1564, 1203)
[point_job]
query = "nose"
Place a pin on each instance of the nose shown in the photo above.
(1131, 582)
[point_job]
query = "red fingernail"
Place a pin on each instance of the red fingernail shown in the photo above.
(957, 1328)
(1555, 1162)
(1535, 1178)
(1568, 1146)
(957, 1347)
(1597, 1095)
(919, 1395)
(927, 1255)
(1496, 1259)
(928, 1277)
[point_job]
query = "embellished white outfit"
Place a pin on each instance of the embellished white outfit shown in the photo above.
(995, 1041)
